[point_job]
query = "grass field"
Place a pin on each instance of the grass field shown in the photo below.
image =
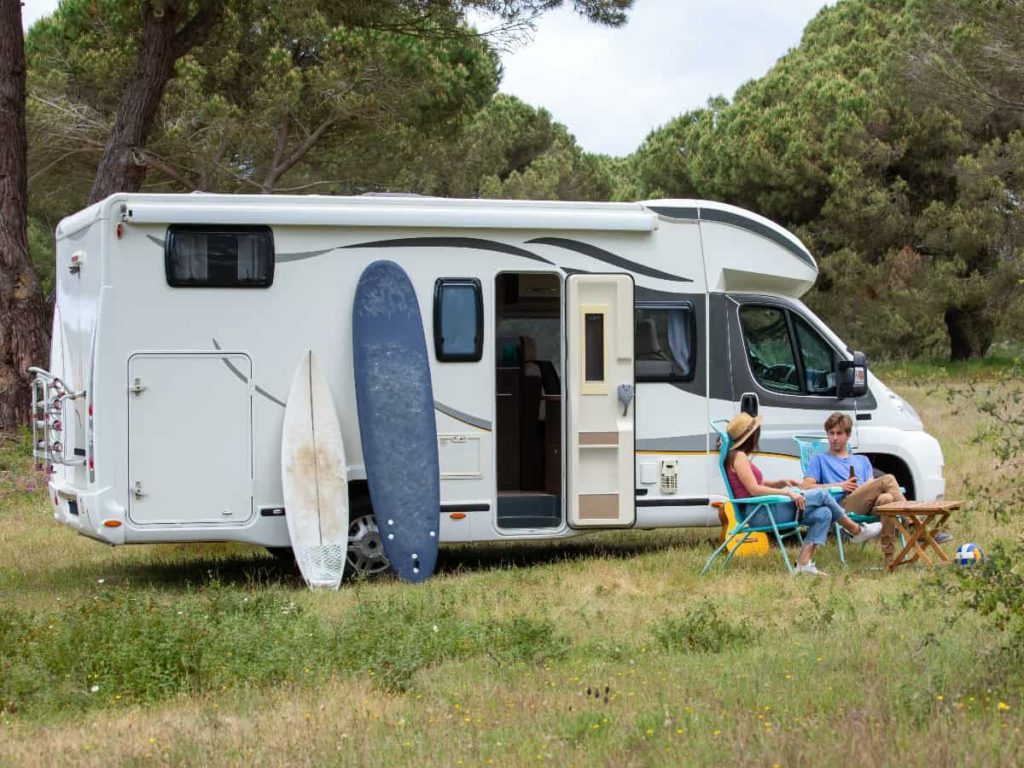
(608, 650)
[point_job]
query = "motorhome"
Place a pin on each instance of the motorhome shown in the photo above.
(578, 353)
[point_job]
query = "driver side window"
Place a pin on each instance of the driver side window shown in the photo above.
(768, 348)
(785, 353)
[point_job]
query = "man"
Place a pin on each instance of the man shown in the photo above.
(862, 492)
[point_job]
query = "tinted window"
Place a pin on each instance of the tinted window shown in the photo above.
(593, 329)
(219, 256)
(769, 349)
(818, 360)
(665, 343)
(458, 320)
(773, 336)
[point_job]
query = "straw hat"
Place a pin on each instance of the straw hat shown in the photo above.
(741, 427)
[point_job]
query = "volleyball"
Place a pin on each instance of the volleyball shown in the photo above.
(969, 554)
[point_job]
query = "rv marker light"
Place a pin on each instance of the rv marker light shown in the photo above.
(111, 523)
(457, 515)
(120, 231)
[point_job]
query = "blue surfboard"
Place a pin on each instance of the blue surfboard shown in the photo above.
(395, 402)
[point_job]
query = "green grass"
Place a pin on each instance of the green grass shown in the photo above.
(605, 650)
(940, 370)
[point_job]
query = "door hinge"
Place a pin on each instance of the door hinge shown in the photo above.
(137, 491)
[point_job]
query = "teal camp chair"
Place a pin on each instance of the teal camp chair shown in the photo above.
(751, 506)
(810, 445)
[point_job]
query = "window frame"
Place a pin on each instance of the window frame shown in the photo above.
(478, 347)
(794, 346)
(668, 378)
(249, 229)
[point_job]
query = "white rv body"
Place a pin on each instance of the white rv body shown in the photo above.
(172, 426)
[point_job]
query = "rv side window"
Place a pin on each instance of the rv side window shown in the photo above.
(665, 342)
(785, 353)
(219, 256)
(458, 320)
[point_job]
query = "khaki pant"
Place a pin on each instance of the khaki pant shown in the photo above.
(874, 493)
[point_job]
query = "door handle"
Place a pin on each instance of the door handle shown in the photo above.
(626, 394)
(137, 490)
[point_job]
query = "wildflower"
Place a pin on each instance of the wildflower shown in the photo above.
(100, 581)
(1003, 706)
(94, 689)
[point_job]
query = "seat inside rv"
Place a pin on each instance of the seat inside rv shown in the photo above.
(528, 410)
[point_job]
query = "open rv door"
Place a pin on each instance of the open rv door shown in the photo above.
(600, 386)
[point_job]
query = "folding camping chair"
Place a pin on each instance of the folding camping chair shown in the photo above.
(742, 530)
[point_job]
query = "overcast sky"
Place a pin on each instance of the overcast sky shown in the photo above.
(611, 87)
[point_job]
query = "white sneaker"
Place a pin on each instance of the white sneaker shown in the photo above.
(810, 568)
(868, 531)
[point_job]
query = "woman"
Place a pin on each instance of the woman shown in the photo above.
(820, 510)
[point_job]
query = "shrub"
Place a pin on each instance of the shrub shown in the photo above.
(701, 628)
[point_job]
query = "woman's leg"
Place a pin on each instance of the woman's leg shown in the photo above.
(818, 520)
(806, 553)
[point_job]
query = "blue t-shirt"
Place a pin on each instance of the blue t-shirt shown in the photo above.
(826, 468)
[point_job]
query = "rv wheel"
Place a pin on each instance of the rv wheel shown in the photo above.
(365, 552)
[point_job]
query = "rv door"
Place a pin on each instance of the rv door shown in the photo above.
(600, 390)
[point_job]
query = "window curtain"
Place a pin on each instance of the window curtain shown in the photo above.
(679, 339)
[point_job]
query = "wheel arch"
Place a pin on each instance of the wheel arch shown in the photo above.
(887, 464)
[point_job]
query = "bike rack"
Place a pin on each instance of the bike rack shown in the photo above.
(49, 401)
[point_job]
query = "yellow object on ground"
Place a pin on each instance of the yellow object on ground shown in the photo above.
(755, 544)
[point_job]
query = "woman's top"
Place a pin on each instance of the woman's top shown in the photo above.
(739, 491)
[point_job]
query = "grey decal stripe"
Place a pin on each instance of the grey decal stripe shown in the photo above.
(608, 258)
(709, 444)
(234, 369)
(679, 443)
(473, 421)
(156, 240)
(690, 214)
(727, 217)
(452, 242)
(284, 258)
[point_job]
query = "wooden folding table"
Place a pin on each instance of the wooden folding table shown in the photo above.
(918, 521)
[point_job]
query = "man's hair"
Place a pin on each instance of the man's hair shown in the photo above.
(839, 420)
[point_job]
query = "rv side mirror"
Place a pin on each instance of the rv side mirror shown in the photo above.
(852, 376)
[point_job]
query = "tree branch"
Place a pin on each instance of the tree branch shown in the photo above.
(299, 153)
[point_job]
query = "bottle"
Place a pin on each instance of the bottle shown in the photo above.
(853, 474)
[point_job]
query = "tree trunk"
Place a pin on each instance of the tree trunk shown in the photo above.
(165, 39)
(970, 332)
(24, 325)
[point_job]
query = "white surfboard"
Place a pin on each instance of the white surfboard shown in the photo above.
(313, 478)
